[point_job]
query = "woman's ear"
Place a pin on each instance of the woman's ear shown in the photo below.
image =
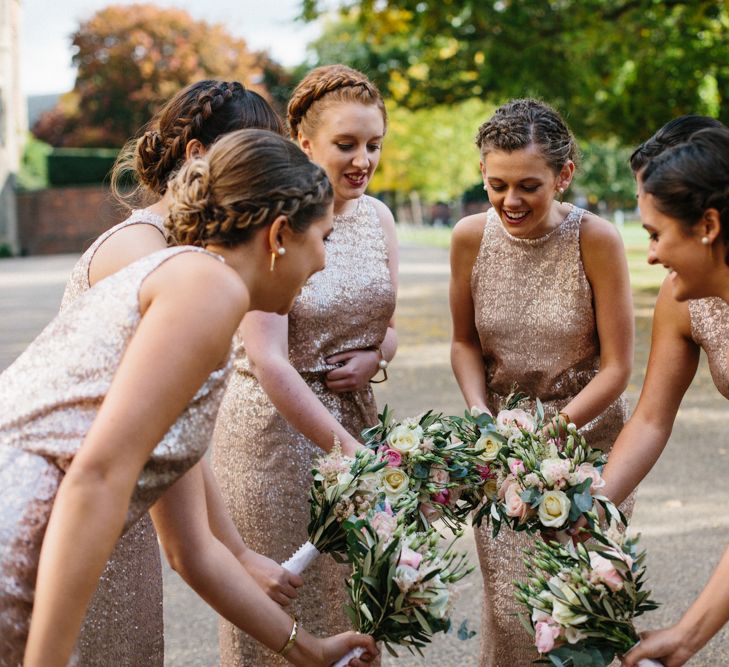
(194, 148)
(305, 144)
(710, 225)
(277, 232)
(565, 175)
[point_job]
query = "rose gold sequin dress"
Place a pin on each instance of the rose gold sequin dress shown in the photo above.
(536, 324)
(262, 463)
(124, 623)
(710, 330)
(50, 397)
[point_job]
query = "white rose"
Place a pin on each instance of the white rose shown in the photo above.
(490, 446)
(406, 577)
(562, 612)
(395, 482)
(554, 509)
(404, 439)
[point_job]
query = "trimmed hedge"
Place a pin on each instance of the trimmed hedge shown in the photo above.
(80, 166)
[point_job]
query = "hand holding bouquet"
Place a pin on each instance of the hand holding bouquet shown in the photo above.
(343, 486)
(400, 591)
(428, 470)
(582, 600)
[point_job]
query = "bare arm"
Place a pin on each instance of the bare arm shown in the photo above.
(466, 354)
(606, 268)
(360, 366)
(124, 247)
(674, 646)
(671, 367)
(151, 387)
(266, 341)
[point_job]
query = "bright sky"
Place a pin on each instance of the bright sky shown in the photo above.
(46, 26)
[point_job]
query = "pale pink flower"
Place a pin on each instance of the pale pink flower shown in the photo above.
(517, 417)
(394, 458)
(439, 476)
(509, 481)
(587, 470)
(555, 470)
(430, 513)
(410, 558)
(515, 506)
(516, 466)
(604, 570)
(545, 635)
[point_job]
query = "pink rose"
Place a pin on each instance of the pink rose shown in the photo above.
(516, 466)
(604, 570)
(515, 506)
(544, 636)
(394, 458)
(384, 525)
(588, 471)
(509, 481)
(441, 497)
(410, 558)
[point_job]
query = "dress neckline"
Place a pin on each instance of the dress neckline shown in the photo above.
(353, 213)
(539, 240)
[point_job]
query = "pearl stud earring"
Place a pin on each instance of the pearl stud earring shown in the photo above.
(705, 240)
(280, 252)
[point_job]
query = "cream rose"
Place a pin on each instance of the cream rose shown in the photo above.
(404, 439)
(395, 482)
(554, 509)
(490, 446)
(562, 611)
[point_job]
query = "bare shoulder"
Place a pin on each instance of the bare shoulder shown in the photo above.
(596, 231)
(672, 314)
(384, 214)
(467, 234)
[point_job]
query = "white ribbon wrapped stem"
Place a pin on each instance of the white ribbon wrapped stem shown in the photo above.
(354, 653)
(649, 662)
(305, 555)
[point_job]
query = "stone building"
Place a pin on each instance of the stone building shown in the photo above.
(13, 121)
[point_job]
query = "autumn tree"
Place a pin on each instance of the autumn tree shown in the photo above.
(133, 58)
(615, 67)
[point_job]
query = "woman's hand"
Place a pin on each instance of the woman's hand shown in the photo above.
(356, 369)
(275, 581)
(670, 646)
(336, 647)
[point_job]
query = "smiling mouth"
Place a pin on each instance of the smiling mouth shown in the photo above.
(357, 180)
(515, 217)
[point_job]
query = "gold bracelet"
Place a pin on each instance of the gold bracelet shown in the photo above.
(292, 638)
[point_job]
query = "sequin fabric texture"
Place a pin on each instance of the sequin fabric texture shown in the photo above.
(124, 622)
(50, 396)
(536, 324)
(710, 330)
(263, 464)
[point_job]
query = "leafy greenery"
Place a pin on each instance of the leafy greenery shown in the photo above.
(33, 173)
(615, 67)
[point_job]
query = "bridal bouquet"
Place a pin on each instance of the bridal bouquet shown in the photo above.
(533, 479)
(343, 486)
(582, 600)
(400, 592)
(429, 473)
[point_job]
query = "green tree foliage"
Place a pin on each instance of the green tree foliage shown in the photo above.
(614, 67)
(133, 58)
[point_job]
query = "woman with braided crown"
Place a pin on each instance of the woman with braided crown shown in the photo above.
(117, 423)
(124, 623)
(302, 380)
(540, 300)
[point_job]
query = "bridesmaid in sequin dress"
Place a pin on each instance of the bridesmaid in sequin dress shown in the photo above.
(124, 622)
(105, 416)
(691, 314)
(540, 299)
(300, 380)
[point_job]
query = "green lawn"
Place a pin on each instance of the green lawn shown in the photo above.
(642, 275)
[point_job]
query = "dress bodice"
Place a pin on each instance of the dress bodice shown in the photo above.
(51, 394)
(78, 281)
(710, 330)
(534, 311)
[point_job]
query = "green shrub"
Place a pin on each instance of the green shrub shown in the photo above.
(80, 166)
(33, 173)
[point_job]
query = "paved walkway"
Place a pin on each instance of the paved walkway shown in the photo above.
(682, 505)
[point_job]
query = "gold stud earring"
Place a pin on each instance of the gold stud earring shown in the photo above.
(276, 253)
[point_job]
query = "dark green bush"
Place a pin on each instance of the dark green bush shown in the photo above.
(80, 166)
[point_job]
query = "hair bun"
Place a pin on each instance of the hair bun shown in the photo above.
(191, 206)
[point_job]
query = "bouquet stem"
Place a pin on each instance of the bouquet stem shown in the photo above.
(354, 653)
(305, 555)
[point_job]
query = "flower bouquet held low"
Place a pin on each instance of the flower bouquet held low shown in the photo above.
(582, 600)
(400, 592)
(428, 471)
(342, 487)
(535, 478)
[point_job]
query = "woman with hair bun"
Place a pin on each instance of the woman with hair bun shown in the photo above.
(540, 300)
(684, 206)
(303, 380)
(111, 407)
(124, 623)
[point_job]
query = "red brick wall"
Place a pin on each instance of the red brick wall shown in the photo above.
(64, 220)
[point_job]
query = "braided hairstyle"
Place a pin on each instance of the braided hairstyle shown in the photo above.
(520, 123)
(204, 111)
(246, 180)
(692, 177)
(674, 132)
(324, 86)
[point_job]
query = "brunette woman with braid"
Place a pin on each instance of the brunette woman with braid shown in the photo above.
(124, 623)
(108, 412)
(303, 380)
(540, 300)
